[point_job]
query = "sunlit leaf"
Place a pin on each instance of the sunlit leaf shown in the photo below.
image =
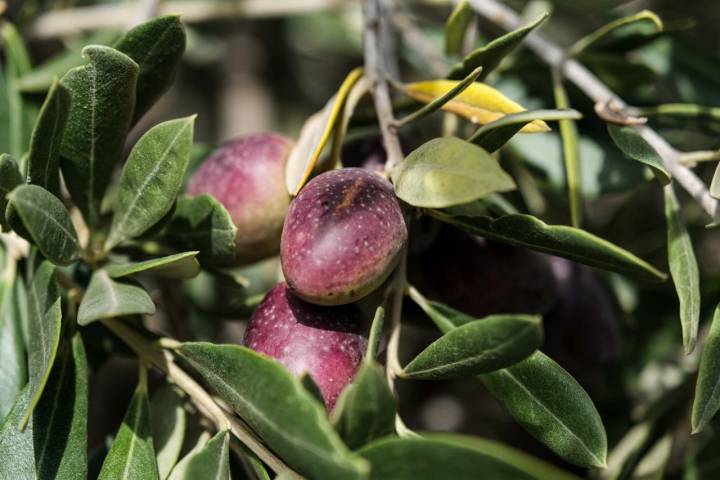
(211, 461)
(456, 26)
(180, 265)
(108, 298)
(168, 427)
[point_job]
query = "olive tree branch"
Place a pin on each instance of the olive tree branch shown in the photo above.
(603, 97)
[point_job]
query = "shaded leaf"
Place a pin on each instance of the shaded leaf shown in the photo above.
(456, 26)
(202, 224)
(571, 153)
(16, 447)
(59, 422)
(315, 134)
(180, 265)
(644, 23)
(448, 171)
(168, 427)
(490, 55)
(366, 408)
(376, 330)
(460, 457)
(482, 346)
(107, 298)
(568, 242)
(478, 103)
(446, 318)
(102, 99)
(16, 114)
(13, 373)
(48, 223)
(683, 269)
(635, 147)
(495, 134)
(10, 177)
(275, 404)
(707, 388)
(548, 402)
(157, 47)
(151, 179)
(43, 163)
(357, 92)
(132, 454)
(211, 461)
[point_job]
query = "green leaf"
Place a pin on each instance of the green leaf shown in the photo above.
(571, 153)
(10, 177)
(448, 171)
(59, 422)
(103, 96)
(494, 135)
(151, 179)
(181, 265)
(16, 114)
(644, 23)
(277, 407)
(202, 224)
(482, 346)
(16, 447)
(132, 454)
(107, 298)
(444, 317)
(635, 147)
(568, 242)
(48, 223)
(43, 167)
(211, 461)
(375, 335)
(366, 408)
(168, 427)
(548, 402)
(458, 457)
(490, 55)
(13, 374)
(456, 26)
(707, 389)
(157, 47)
(45, 323)
(683, 269)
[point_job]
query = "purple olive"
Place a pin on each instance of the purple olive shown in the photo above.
(322, 341)
(481, 278)
(343, 235)
(247, 175)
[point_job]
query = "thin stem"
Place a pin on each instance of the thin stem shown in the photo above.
(691, 159)
(595, 89)
(162, 360)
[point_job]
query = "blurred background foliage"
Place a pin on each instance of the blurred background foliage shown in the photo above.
(246, 73)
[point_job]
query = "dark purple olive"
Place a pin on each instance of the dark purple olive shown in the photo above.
(247, 175)
(322, 341)
(343, 235)
(481, 278)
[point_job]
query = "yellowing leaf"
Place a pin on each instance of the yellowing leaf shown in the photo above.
(315, 135)
(478, 103)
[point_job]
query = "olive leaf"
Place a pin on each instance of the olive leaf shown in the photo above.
(48, 223)
(157, 47)
(180, 265)
(202, 224)
(10, 177)
(448, 171)
(107, 298)
(43, 162)
(168, 423)
(490, 55)
(102, 100)
(481, 346)
(366, 408)
(635, 147)
(478, 103)
(683, 270)
(456, 27)
(460, 457)
(13, 374)
(278, 408)
(59, 422)
(16, 446)
(642, 24)
(563, 241)
(151, 179)
(211, 461)
(375, 335)
(707, 388)
(132, 454)
(571, 152)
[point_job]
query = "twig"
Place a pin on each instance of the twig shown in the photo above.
(376, 70)
(586, 81)
(691, 159)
